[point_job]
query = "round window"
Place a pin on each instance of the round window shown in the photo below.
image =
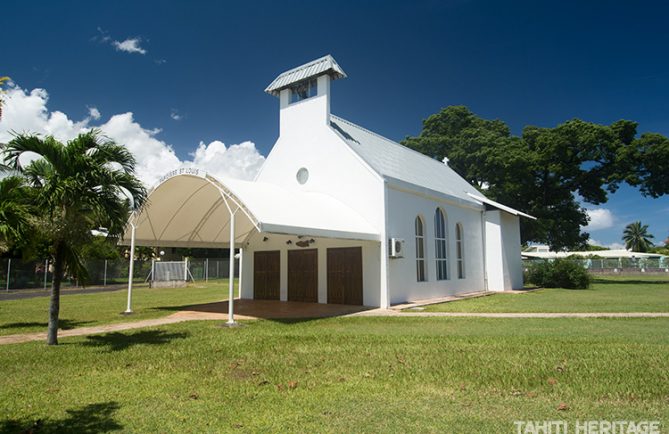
(302, 175)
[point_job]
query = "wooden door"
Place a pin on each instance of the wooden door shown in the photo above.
(266, 275)
(345, 275)
(303, 275)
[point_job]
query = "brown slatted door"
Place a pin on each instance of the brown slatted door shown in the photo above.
(303, 275)
(266, 275)
(345, 275)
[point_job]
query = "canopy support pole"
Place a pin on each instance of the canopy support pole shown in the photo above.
(241, 270)
(231, 275)
(131, 267)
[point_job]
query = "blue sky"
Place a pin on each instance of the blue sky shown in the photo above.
(196, 70)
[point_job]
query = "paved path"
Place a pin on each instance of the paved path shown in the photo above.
(83, 331)
(215, 311)
(387, 312)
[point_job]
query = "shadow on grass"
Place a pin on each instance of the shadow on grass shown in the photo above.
(93, 418)
(63, 324)
(120, 341)
(659, 281)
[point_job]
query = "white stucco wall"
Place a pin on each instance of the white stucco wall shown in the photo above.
(370, 264)
(504, 263)
(513, 273)
(403, 207)
(306, 140)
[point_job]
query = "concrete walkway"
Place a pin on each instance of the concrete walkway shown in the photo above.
(274, 310)
(390, 312)
(83, 331)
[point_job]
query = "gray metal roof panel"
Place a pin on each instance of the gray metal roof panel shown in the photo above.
(392, 160)
(323, 65)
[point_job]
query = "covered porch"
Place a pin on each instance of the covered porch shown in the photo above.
(190, 208)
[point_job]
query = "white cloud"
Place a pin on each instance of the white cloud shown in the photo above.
(25, 111)
(130, 45)
(600, 218)
(94, 113)
(174, 114)
(240, 161)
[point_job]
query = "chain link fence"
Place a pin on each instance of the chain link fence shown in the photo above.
(616, 265)
(16, 274)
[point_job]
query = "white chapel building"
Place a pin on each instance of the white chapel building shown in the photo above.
(340, 214)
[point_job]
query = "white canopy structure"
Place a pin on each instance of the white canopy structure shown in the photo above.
(193, 209)
(190, 208)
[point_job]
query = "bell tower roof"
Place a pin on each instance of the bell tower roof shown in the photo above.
(324, 65)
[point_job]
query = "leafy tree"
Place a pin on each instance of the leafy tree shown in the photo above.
(595, 248)
(637, 238)
(85, 184)
(101, 247)
(545, 171)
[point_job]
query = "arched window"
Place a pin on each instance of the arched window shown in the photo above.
(420, 250)
(460, 250)
(441, 244)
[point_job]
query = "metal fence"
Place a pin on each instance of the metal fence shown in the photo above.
(19, 274)
(616, 265)
(211, 268)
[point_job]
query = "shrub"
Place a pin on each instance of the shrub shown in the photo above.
(560, 273)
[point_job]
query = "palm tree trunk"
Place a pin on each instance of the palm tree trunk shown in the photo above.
(54, 306)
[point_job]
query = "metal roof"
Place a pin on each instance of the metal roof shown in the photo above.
(396, 162)
(499, 206)
(324, 65)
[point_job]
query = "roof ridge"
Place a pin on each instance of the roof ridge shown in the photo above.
(308, 64)
(323, 65)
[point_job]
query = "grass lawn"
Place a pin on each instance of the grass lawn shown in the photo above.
(83, 310)
(341, 375)
(610, 294)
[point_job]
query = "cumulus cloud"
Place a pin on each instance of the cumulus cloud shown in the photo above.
(27, 111)
(94, 113)
(600, 218)
(130, 45)
(240, 161)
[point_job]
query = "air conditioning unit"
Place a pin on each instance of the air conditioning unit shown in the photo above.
(396, 248)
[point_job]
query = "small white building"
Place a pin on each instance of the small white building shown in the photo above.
(339, 214)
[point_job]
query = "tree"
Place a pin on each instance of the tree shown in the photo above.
(2, 82)
(547, 172)
(637, 238)
(85, 184)
(14, 211)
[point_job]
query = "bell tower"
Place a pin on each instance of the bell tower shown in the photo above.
(304, 94)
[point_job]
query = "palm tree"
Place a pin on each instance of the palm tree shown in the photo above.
(85, 184)
(637, 238)
(2, 82)
(14, 211)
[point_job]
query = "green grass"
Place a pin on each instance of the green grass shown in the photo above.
(83, 310)
(610, 294)
(341, 375)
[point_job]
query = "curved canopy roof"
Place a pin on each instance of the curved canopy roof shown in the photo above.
(193, 210)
